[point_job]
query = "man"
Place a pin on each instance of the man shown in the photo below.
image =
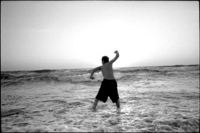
(109, 84)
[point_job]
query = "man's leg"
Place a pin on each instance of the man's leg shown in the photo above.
(118, 104)
(95, 104)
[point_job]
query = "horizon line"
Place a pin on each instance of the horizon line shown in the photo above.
(177, 65)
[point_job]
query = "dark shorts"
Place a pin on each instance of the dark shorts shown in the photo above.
(108, 88)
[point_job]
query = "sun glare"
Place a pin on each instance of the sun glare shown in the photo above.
(81, 33)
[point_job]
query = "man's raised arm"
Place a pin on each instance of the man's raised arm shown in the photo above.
(116, 57)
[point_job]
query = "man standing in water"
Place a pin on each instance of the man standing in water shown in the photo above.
(109, 84)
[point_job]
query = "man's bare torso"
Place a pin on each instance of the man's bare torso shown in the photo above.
(107, 71)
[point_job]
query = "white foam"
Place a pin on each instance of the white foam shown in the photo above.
(66, 107)
(86, 77)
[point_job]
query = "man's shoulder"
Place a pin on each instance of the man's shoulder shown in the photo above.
(107, 65)
(100, 67)
(110, 64)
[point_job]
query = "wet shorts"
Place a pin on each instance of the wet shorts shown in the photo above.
(108, 88)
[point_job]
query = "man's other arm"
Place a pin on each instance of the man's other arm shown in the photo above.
(93, 71)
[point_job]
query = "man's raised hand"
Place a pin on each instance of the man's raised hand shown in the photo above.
(116, 52)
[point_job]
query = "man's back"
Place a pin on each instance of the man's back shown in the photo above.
(107, 71)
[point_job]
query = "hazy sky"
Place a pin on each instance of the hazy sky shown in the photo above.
(76, 34)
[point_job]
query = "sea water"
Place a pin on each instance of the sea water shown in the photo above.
(153, 99)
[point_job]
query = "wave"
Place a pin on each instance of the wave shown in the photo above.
(194, 65)
(141, 71)
(82, 75)
(43, 71)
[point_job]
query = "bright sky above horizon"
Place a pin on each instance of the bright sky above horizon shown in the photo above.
(76, 34)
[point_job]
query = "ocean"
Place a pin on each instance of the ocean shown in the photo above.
(153, 99)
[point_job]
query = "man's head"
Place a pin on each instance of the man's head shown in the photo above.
(105, 59)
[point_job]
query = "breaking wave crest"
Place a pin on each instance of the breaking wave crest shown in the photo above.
(82, 75)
